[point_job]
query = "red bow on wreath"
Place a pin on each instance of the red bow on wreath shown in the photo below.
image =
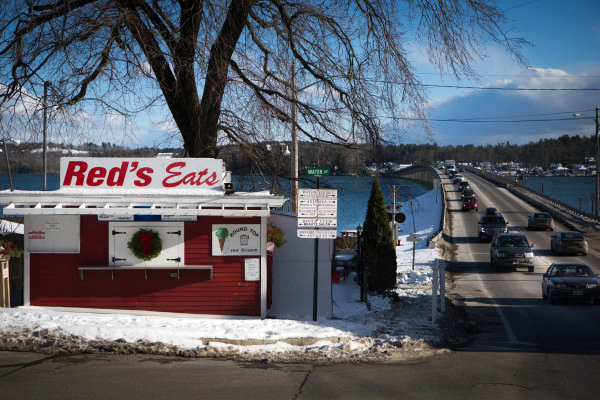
(145, 240)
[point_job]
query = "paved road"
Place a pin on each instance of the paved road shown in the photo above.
(513, 299)
(524, 348)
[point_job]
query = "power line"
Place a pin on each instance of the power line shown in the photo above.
(507, 89)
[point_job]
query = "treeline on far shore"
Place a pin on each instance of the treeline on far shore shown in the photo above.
(342, 160)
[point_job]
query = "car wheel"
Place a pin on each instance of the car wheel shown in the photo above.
(591, 301)
(544, 296)
(550, 299)
(530, 268)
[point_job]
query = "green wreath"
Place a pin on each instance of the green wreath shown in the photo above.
(145, 244)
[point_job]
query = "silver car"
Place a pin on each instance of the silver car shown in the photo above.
(540, 220)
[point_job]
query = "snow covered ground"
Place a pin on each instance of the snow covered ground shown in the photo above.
(398, 325)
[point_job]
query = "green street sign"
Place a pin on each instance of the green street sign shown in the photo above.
(318, 171)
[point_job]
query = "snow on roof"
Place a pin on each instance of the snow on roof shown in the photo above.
(139, 201)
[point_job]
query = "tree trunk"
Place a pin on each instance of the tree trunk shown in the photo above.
(204, 143)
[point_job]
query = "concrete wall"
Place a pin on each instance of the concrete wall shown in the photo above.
(293, 272)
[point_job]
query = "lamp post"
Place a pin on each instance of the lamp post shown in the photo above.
(281, 153)
(597, 208)
(363, 273)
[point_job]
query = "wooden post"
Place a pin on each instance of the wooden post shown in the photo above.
(5, 281)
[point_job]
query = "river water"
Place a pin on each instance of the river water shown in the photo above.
(572, 190)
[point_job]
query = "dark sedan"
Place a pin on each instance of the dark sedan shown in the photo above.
(566, 242)
(570, 281)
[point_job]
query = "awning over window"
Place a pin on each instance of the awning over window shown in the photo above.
(65, 202)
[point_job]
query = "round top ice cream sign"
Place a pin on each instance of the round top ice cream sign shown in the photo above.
(236, 240)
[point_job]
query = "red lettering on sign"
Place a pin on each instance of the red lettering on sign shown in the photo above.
(191, 179)
(75, 169)
(96, 176)
(170, 170)
(116, 176)
(145, 178)
(212, 179)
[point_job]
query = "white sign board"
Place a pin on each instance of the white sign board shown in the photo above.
(252, 269)
(317, 222)
(317, 208)
(140, 173)
(325, 203)
(52, 233)
(413, 237)
(317, 233)
(317, 193)
(236, 240)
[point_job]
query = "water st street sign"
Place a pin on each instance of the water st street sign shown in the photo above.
(318, 171)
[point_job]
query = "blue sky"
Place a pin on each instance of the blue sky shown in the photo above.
(565, 55)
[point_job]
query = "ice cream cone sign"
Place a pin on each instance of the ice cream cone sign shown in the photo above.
(221, 234)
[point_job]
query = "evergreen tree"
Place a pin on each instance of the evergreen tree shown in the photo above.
(379, 250)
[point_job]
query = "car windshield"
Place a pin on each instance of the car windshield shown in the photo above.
(576, 271)
(493, 220)
(572, 236)
(513, 242)
(469, 200)
(541, 216)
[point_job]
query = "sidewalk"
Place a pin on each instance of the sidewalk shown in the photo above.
(385, 330)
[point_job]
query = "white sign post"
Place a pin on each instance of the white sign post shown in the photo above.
(317, 218)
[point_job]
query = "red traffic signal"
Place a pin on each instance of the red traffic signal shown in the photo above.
(400, 218)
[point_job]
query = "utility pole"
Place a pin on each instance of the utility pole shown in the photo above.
(597, 206)
(294, 142)
(45, 145)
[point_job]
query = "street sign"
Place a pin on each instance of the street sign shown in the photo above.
(317, 193)
(320, 203)
(318, 171)
(317, 213)
(317, 233)
(414, 237)
(317, 222)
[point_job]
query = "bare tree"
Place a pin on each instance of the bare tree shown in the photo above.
(222, 67)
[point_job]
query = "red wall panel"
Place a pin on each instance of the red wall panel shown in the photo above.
(55, 278)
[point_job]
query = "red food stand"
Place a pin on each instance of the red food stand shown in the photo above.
(145, 234)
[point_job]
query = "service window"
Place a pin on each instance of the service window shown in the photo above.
(171, 234)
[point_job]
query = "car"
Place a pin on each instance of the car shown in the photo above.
(461, 170)
(540, 221)
(490, 211)
(463, 185)
(574, 281)
(470, 203)
(490, 225)
(457, 178)
(568, 242)
(468, 192)
(511, 250)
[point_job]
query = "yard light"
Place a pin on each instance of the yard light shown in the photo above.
(282, 152)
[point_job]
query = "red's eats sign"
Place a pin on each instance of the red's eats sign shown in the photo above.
(176, 173)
